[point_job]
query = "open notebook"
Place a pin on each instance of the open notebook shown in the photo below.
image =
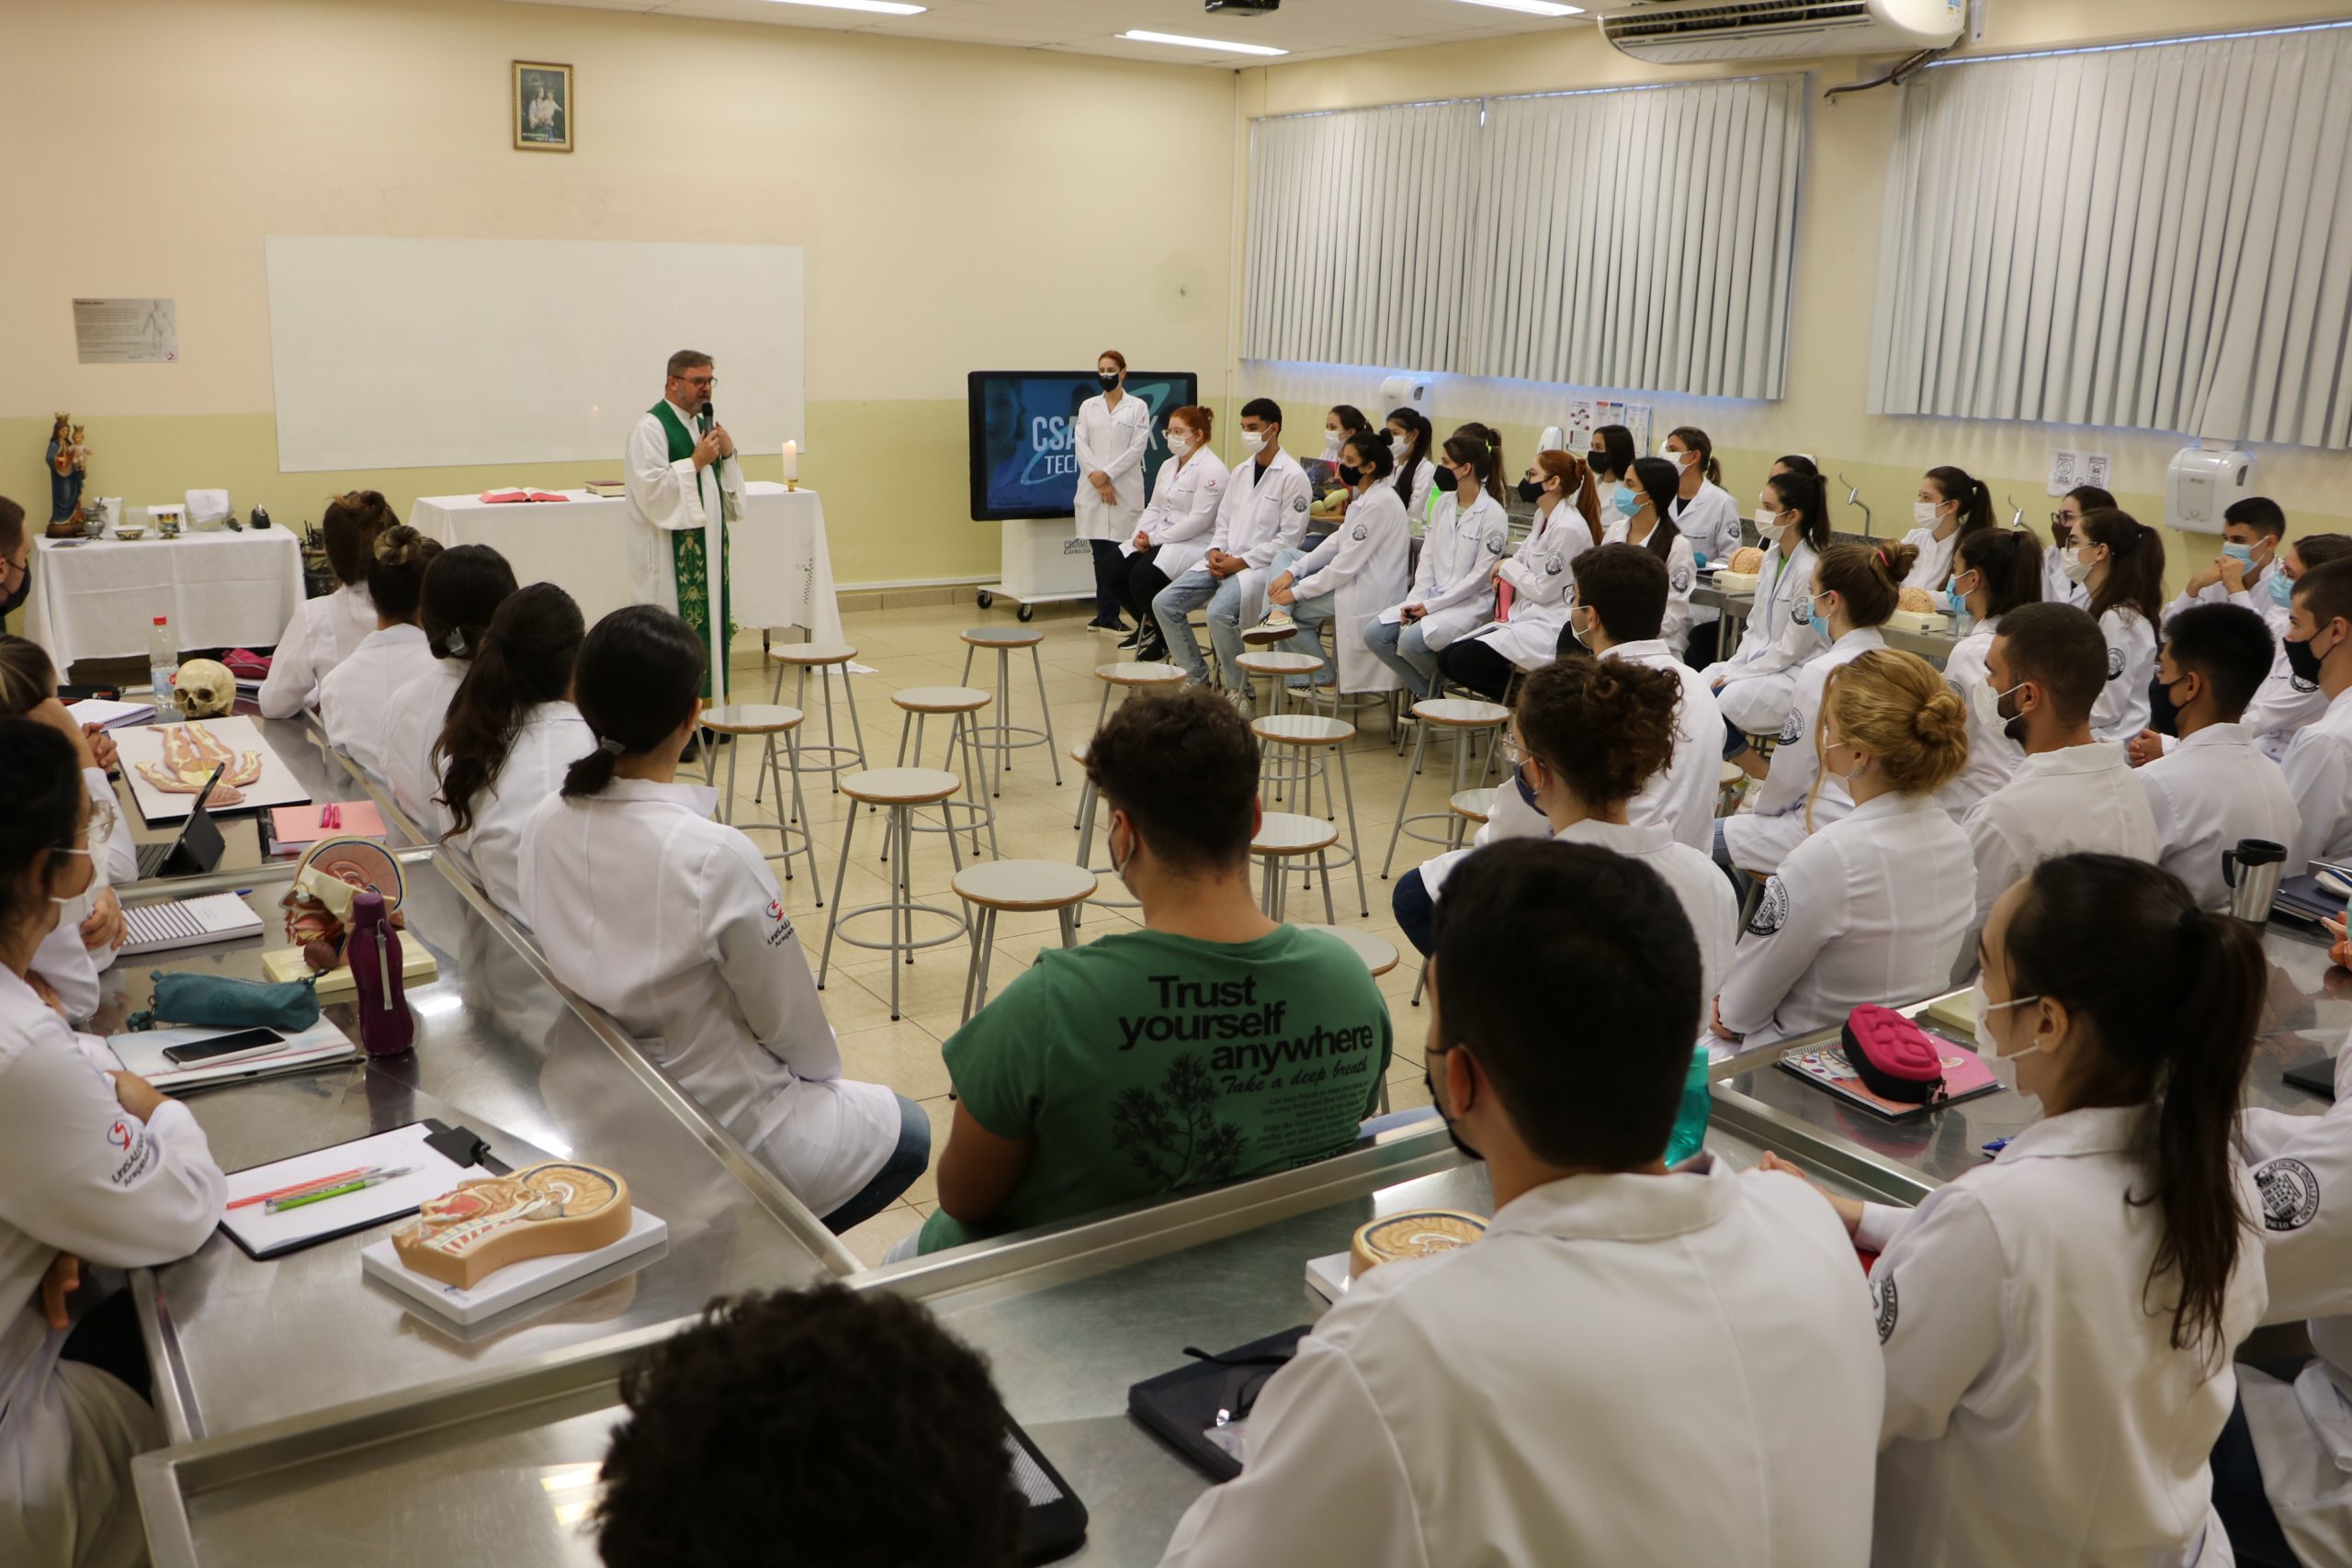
(321, 1044)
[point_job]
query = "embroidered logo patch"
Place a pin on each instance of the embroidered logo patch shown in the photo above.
(783, 933)
(2290, 1194)
(1553, 565)
(1883, 1289)
(2114, 662)
(1771, 909)
(1495, 543)
(1299, 505)
(2301, 686)
(1792, 729)
(1362, 533)
(1682, 580)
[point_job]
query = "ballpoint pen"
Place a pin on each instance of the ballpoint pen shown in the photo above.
(335, 1180)
(279, 1205)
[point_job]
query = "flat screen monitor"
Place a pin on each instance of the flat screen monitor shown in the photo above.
(1024, 462)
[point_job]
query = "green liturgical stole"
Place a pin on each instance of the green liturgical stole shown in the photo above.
(688, 556)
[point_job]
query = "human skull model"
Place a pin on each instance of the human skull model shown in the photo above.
(205, 688)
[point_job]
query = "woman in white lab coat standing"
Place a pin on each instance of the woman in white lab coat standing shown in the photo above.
(673, 924)
(511, 736)
(1993, 572)
(1641, 510)
(2120, 561)
(352, 697)
(2058, 1324)
(323, 631)
(1876, 906)
(1358, 568)
(463, 588)
(1525, 633)
(1757, 684)
(1174, 533)
(94, 1169)
(1109, 435)
(1453, 584)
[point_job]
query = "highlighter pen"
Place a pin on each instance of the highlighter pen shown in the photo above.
(279, 1205)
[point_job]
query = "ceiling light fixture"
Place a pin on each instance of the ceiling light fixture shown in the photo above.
(1532, 7)
(1216, 45)
(882, 7)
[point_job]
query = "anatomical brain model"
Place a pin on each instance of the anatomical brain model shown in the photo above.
(462, 1237)
(190, 753)
(205, 689)
(318, 906)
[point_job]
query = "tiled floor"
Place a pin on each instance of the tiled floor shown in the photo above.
(921, 647)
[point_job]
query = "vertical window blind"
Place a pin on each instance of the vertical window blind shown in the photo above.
(2156, 236)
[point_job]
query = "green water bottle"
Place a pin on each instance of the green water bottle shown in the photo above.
(1691, 1121)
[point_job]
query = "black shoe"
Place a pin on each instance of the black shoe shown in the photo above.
(1106, 626)
(1132, 638)
(1153, 651)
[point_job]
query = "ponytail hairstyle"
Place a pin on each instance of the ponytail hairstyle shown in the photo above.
(1801, 493)
(1975, 507)
(2009, 560)
(349, 529)
(1895, 706)
(1466, 445)
(1661, 482)
(525, 659)
(40, 776)
(636, 683)
(1605, 726)
(1797, 463)
(396, 566)
(28, 678)
(2136, 564)
(1869, 578)
(1576, 485)
(2173, 996)
(1694, 439)
(1372, 452)
(1616, 443)
(1489, 463)
(463, 588)
(1417, 451)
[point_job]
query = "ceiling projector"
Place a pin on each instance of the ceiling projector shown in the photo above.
(1241, 7)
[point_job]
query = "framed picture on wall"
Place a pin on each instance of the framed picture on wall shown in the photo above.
(542, 107)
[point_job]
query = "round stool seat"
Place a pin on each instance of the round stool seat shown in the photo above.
(1279, 663)
(1732, 774)
(1460, 713)
(813, 653)
(900, 786)
(1302, 729)
(1025, 883)
(1475, 803)
(1128, 672)
(1287, 833)
(1003, 637)
(751, 718)
(1379, 954)
(1264, 635)
(941, 699)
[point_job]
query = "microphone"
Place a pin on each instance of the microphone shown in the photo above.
(707, 417)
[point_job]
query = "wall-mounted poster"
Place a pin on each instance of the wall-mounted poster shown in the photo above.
(542, 107)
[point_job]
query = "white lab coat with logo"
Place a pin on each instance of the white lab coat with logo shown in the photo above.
(2121, 711)
(321, 635)
(1438, 1415)
(1710, 520)
(1933, 567)
(1683, 797)
(352, 697)
(2036, 1410)
(1110, 441)
(1993, 757)
(2072, 800)
(2318, 766)
(2284, 702)
(1762, 839)
(412, 721)
(1872, 907)
(71, 968)
(552, 738)
(2213, 789)
(1541, 586)
(1362, 564)
(1182, 513)
(673, 923)
(1682, 576)
(79, 1174)
(1454, 578)
(1760, 678)
(1263, 513)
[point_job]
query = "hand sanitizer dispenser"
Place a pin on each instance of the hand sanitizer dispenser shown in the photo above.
(2202, 482)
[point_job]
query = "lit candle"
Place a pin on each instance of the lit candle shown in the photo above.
(792, 459)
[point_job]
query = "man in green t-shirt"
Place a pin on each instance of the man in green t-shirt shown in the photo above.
(1213, 1044)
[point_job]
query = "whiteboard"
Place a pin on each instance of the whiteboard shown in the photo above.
(406, 354)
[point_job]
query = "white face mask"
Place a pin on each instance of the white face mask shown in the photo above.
(1981, 1008)
(1253, 440)
(72, 912)
(1923, 514)
(1767, 520)
(1985, 704)
(1680, 461)
(1332, 439)
(2071, 563)
(1398, 446)
(1179, 442)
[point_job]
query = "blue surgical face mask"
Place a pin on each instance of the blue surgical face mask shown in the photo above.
(2282, 591)
(2242, 554)
(1621, 498)
(1819, 622)
(1954, 600)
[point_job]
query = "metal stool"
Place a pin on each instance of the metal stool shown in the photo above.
(1732, 781)
(768, 722)
(1088, 802)
(1303, 735)
(1133, 677)
(823, 658)
(1278, 668)
(1465, 717)
(1019, 885)
(960, 703)
(1468, 805)
(1281, 835)
(900, 790)
(998, 737)
(1379, 954)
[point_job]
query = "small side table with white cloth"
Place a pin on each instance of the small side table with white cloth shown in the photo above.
(99, 598)
(780, 572)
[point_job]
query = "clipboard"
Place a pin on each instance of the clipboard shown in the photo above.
(437, 1155)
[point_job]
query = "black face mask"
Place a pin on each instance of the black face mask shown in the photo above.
(1109, 378)
(1600, 460)
(2014, 728)
(1350, 476)
(1444, 480)
(2163, 714)
(2301, 663)
(16, 601)
(1530, 490)
(1459, 1143)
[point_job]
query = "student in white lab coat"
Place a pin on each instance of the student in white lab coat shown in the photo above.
(1877, 905)
(1262, 514)
(511, 736)
(352, 697)
(1341, 423)
(1993, 572)
(2073, 792)
(1344, 582)
(673, 924)
(1950, 506)
(1438, 1415)
(1174, 533)
(1611, 457)
(1410, 440)
(95, 1168)
(2120, 561)
(2287, 701)
(2078, 504)
(2058, 1324)
(463, 588)
(1853, 594)
(1640, 502)
(1526, 631)
(1109, 435)
(2318, 764)
(2253, 528)
(1702, 509)
(323, 631)
(1453, 590)
(1757, 685)
(2215, 787)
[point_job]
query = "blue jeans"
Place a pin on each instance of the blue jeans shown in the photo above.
(1403, 649)
(1178, 600)
(909, 1160)
(1310, 616)
(1727, 866)
(1416, 912)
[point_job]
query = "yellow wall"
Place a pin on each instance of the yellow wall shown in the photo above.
(1825, 411)
(962, 207)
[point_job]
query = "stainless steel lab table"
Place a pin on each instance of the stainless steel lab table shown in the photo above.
(1933, 647)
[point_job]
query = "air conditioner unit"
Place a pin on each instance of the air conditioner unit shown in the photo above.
(1674, 31)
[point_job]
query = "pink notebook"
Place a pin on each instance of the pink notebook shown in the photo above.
(1965, 1078)
(293, 829)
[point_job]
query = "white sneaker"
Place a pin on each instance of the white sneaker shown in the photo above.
(1243, 701)
(1275, 627)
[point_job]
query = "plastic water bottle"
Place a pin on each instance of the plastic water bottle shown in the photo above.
(162, 662)
(1690, 1134)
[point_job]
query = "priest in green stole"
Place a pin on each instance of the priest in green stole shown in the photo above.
(685, 484)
